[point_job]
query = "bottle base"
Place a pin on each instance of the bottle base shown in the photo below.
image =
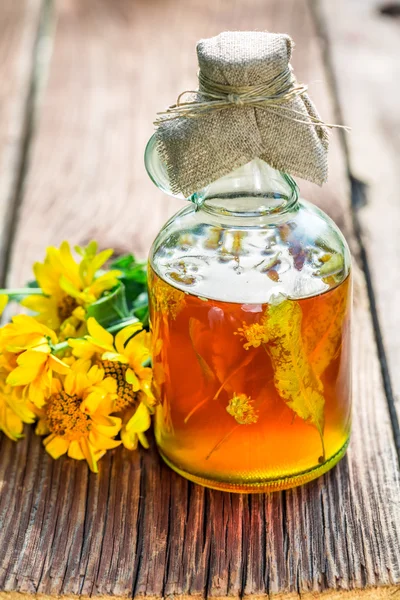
(257, 487)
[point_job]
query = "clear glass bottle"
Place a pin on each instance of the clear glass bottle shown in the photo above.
(250, 306)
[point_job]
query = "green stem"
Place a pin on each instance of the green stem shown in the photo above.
(121, 324)
(221, 441)
(113, 329)
(244, 363)
(22, 292)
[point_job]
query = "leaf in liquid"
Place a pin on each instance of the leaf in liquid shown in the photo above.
(322, 331)
(294, 377)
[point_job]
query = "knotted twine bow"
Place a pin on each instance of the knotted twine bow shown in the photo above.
(248, 105)
(267, 96)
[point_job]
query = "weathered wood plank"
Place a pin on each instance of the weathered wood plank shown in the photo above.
(364, 45)
(19, 23)
(137, 528)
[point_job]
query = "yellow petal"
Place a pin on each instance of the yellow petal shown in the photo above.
(21, 407)
(95, 374)
(115, 357)
(143, 440)
(37, 394)
(104, 282)
(101, 258)
(56, 386)
(139, 347)
(140, 421)
(89, 454)
(75, 451)
(69, 287)
(79, 313)
(110, 385)
(23, 375)
(41, 427)
(81, 383)
(107, 405)
(131, 378)
(49, 439)
(38, 303)
(129, 439)
(10, 424)
(109, 426)
(81, 365)
(56, 446)
(82, 348)
(69, 266)
(99, 453)
(31, 358)
(125, 334)
(69, 384)
(102, 442)
(25, 324)
(58, 365)
(99, 334)
(91, 403)
(3, 302)
(47, 279)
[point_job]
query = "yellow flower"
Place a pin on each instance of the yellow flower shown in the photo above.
(122, 359)
(241, 408)
(77, 415)
(33, 362)
(69, 287)
(129, 350)
(255, 334)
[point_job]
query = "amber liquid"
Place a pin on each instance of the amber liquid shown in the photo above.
(224, 418)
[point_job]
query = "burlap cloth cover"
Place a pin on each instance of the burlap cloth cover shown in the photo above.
(199, 150)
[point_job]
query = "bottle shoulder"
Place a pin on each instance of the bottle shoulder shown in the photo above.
(297, 253)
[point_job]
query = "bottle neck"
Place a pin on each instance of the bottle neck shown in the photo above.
(254, 190)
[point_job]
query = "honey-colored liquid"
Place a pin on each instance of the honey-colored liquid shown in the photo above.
(251, 397)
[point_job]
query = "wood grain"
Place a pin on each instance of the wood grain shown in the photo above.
(19, 23)
(138, 529)
(364, 49)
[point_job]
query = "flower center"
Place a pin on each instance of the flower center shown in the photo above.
(241, 408)
(117, 370)
(66, 307)
(65, 417)
(255, 334)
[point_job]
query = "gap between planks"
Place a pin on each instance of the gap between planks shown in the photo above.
(28, 118)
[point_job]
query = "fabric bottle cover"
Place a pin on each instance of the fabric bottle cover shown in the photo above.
(248, 105)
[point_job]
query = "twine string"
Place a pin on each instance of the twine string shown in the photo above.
(272, 96)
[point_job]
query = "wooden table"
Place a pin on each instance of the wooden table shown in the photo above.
(81, 81)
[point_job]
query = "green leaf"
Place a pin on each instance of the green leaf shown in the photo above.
(133, 276)
(111, 307)
(32, 284)
(125, 261)
(140, 308)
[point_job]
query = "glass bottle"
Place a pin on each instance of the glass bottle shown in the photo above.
(250, 305)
